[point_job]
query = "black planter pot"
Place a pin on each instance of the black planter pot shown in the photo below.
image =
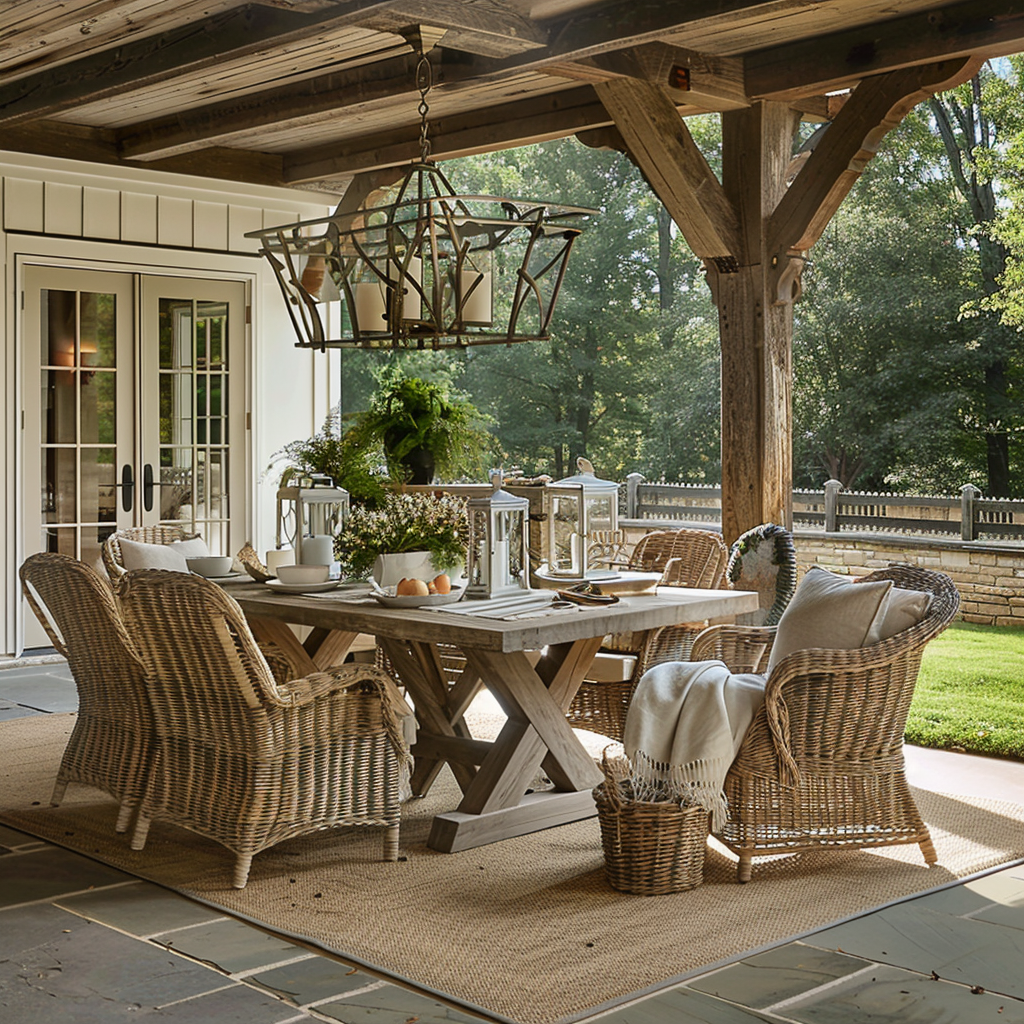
(420, 463)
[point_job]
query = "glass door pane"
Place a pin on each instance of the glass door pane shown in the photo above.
(197, 431)
(78, 423)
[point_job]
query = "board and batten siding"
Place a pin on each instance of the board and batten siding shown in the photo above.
(151, 222)
(146, 218)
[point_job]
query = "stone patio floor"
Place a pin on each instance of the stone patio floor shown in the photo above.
(84, 943)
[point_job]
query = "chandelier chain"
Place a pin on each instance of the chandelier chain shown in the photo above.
(424, 80)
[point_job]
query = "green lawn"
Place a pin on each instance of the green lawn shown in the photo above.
(970, 693)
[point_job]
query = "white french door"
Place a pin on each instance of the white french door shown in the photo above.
(134, 409)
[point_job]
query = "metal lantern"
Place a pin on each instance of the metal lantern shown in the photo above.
(499, 561)
(315, 508)
(578, 506)
(431, 269)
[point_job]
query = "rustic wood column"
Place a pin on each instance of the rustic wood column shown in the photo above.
(755, 325)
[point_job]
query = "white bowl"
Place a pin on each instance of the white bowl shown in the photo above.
(210, 565)
(303, 573)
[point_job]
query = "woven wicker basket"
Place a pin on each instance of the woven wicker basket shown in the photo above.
(650, 849)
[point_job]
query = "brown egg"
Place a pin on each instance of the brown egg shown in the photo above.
(411, 588)
(442, 583)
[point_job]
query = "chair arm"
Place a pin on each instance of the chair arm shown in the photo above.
(398, 718)
(742, 648)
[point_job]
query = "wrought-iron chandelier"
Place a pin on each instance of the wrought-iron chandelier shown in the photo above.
(430, 269)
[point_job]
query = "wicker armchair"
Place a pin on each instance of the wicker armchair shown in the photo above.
(686, 558)
(764, 559)
(241, 759)
(606, 548)
(113, 560)
(821, 766)
(110, 744)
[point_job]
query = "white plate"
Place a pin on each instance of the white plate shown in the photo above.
(301, 588)
(230, 578)
(387, 598)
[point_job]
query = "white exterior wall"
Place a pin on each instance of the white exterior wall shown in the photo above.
(66, 213)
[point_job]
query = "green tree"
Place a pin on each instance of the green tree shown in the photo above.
(577, 394)
(973, 121)
(889, 372)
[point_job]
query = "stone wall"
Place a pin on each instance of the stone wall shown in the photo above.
(989, 576)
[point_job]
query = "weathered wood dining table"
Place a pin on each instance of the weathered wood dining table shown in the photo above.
(495, 776)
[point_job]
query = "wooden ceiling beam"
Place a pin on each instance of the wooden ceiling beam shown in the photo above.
(240, 32)
(317, 98)
(625, 23)
(876, 107)
(537, 119)
(493, 29)
(662, 147)
(246, 31)
(828, 63)
(75, 142)
(696, 79)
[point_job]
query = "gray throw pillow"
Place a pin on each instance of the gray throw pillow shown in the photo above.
(829, 611)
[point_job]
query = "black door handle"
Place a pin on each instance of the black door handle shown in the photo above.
(127, 486)
(147, 487)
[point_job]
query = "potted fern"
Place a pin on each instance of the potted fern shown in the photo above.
(423, 429)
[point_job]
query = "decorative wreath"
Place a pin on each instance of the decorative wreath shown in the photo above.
(756, 564)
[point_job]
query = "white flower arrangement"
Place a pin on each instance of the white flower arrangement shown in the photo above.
(404, 522)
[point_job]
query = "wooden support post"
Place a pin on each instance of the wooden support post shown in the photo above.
(755, 326)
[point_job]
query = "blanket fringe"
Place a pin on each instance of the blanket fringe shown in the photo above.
(689, 784)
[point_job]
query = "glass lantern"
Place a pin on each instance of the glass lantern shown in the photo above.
(578, 506)
(315, 508)
(499, 561)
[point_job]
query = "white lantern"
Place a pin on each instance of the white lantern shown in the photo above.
(314, 509)
(499, 560)
(578, 506)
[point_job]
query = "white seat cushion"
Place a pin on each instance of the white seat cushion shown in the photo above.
(611, 668)
(137, 555)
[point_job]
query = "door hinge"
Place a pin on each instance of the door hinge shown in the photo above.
(248, 314)
(248, 421)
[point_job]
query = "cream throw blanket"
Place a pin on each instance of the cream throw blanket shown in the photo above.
(685, 724)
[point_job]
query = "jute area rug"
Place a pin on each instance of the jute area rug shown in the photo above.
(528, 928)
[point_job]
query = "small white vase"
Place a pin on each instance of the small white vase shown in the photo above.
(389, 569)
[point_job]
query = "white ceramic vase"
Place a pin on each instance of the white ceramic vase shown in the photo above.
(389, 569)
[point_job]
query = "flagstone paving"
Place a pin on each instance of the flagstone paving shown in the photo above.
(86, 943)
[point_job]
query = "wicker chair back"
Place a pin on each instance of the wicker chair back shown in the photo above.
(688, 558)
(110, 744)
(113, 559)
(685, 558)
(764, 559)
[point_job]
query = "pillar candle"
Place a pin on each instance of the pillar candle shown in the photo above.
(318, 550)
(279, 556)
